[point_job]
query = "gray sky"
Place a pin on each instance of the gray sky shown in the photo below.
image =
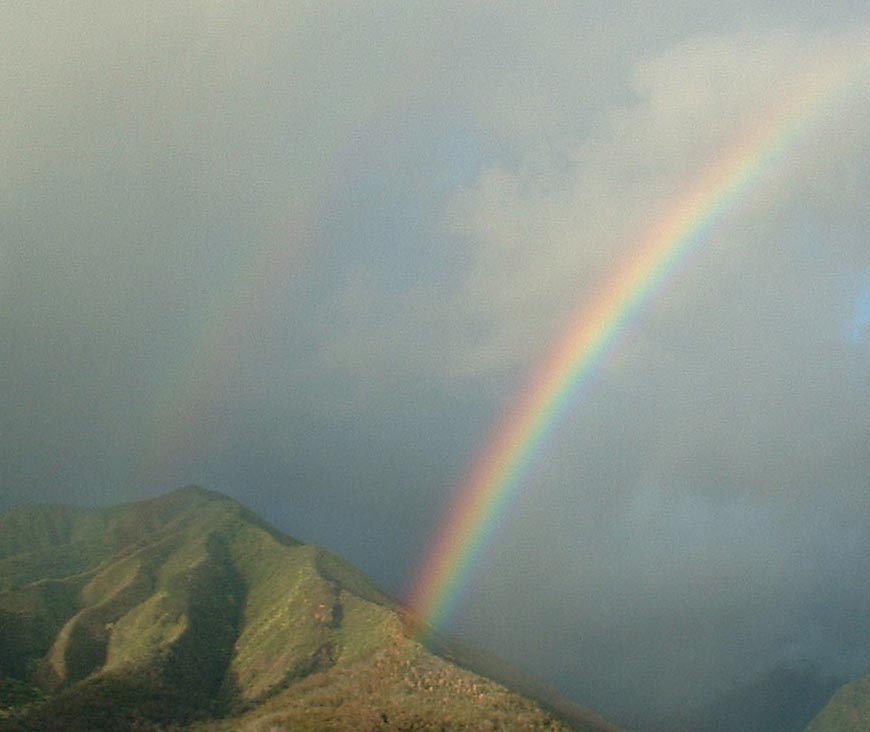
(308, 253)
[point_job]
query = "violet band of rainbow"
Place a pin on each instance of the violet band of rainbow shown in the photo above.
(497, 474)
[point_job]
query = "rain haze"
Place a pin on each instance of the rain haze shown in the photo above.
(310, 254)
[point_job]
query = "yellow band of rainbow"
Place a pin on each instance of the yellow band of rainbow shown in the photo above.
(496, 476)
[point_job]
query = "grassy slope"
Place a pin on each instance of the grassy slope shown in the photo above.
(40, 542)
(848, 710)
(189, 606)
(399, 687)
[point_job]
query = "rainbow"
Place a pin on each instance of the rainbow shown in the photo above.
(481, 497)
(182, 411)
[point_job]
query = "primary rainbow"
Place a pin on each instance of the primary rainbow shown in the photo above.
(569, 365)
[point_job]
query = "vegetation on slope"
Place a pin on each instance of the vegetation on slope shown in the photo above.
(847, 711)
(400, 687)
(188, 610)
(17, 695)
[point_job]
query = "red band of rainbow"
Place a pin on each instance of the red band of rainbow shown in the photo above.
(497, 474)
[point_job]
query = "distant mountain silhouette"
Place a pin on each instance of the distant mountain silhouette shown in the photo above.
(783, 700)
(847, 711)
(188, 612)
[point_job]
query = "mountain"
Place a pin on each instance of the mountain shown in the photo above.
(188, 612)
(847, 711)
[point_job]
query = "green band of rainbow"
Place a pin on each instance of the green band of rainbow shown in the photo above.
(480, 498)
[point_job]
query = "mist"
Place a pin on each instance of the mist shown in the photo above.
(310, 256)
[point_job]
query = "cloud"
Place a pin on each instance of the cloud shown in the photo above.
(316, 249)
(534, 237)
(694, 499)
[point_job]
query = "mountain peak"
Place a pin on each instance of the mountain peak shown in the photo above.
(189, 496)
(189, 607)
(196, 491)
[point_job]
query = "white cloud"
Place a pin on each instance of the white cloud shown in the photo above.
(539, 233)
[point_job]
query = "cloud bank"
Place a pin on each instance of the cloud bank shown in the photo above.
(309, 255)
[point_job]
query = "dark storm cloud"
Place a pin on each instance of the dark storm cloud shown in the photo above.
(443, 186)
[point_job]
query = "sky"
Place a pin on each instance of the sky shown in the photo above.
(309, 254)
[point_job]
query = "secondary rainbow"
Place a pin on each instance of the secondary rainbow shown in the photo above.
(497, 474)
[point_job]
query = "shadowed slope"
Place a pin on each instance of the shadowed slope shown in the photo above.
(189, 607)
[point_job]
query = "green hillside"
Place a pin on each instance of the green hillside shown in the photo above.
(847, 711)
(187, 612)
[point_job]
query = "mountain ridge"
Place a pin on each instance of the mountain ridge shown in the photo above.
(190, 602)
(848, 710)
